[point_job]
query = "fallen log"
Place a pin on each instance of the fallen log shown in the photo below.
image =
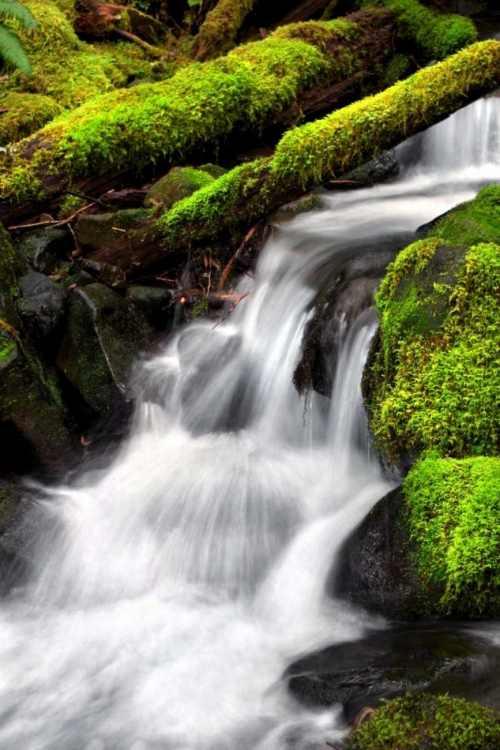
(96, 20)
(129, 130)
(220, 28)
(309, 155)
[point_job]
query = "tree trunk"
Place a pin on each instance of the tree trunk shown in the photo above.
(220, 28)
(307, 156)
(129, 130)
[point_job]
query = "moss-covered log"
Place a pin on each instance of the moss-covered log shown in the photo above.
(220, 28)
(130, 130)
(309, 155)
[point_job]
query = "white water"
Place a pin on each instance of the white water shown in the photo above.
(176, 586)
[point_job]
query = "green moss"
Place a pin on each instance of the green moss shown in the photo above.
(176, 185)
(220, 28)
(435, 378)
(454, 513)
(438, 35)
(398, 67)
(25, 114)
(201, 103)
(308, 155)
(433, 722)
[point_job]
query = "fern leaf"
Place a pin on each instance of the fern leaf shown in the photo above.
(12, 50)
(13, 9)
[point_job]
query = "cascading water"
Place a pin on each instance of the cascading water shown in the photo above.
(171, 591)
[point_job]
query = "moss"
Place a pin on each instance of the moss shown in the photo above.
(201, 103)
(397, 69)
(435, 378)
(25, 114)
(177, 184)
(308, 155)
(220, 28)
(454, 511)
(438, 35)
(436, 722)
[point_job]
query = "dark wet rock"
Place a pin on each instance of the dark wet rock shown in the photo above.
(95, 231)
(42, 305)
(372, 173)
(107, 274)
(34, 431)
(104, 335)
(16, 540)
(376, 566)
(430, 657)
(157, 304)
(43, 248)
(179, 183)
(335, 311)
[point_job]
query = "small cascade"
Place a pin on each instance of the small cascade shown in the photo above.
(171, 591)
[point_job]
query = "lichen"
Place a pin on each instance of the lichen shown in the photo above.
(453, 510)
(438, 35)
(436, 722)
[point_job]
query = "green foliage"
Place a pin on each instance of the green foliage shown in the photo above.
(434, 722)
(438, 35)
(435, 378)
(68, 70)
(454, 516)
(11, 47)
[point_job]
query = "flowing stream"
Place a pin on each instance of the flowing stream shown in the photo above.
(171, 591)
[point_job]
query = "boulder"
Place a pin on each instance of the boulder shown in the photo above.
(42, 248)
(42, 306)
(111, 276)
(179, 183)
(16, 545)
(95, 231)
(389, 662)
(157, 304)
(104, 335)
(34, 430)
(372, 173)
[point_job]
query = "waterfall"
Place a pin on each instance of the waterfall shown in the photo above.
(171, 590)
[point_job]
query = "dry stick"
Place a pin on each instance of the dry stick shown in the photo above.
(153, 51)
(233, 308)
(52, 222)
(228, 268)
(97, 201)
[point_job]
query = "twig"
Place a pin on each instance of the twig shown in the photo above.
(153, 51)
(52, 222)
(229, 266)
(97, 201)
(233, 308)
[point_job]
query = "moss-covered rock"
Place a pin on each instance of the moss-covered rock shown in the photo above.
(31, 409)
(104, 335)
(43, 248)
(179, 183)
(433, 380)
(453, 512)
(433, 722)
(22, 114)
(94, 231)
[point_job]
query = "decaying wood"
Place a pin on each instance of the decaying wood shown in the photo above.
(304, 11)
(97, 20)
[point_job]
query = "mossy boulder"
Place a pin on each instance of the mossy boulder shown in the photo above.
(95, 231)
(433, 377)
(179, 183)
(430, 549)
(42, 305)
(104, 335)
(32, 416)
(433, 722)
(157, 304)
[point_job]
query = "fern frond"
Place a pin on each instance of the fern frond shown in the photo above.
(13, 9)
(12, 50)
